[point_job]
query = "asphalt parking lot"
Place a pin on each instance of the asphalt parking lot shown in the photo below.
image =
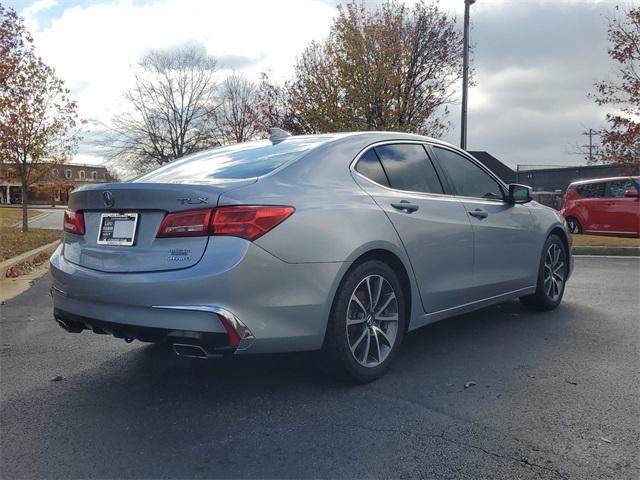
(556, 395)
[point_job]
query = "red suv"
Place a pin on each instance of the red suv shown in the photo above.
(604, 206)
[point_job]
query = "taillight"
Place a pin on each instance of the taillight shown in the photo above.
(74, 222)
(185, 224)
(249, 222)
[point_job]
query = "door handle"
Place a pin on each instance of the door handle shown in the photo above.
(479, 213)
(405, 206)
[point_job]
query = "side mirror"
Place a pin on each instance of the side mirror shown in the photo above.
(519, 193)
(631, 192)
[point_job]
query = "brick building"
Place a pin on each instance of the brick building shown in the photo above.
(55, 187)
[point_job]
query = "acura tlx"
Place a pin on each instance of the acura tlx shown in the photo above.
(340, 243)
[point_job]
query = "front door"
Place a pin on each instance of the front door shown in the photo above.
(506, 250)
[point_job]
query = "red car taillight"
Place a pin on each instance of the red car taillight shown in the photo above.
(248, 222)
(74, 222)
(185, 224)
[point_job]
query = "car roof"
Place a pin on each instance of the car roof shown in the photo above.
(382, 136)
(606, 179)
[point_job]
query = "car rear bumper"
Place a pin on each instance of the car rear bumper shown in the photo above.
(271, 304)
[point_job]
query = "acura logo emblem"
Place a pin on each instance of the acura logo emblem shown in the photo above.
(108, 199)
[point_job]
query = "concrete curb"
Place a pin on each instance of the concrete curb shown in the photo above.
(27, 256)
(608, 251)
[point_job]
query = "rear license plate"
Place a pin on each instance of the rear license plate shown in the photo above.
(118, 229)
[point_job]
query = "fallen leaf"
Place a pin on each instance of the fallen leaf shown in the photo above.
(570, 381)
(469, 384)
(57, 378)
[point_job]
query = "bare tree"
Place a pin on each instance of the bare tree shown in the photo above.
(171, 109)
(273, 109)
(236, 118)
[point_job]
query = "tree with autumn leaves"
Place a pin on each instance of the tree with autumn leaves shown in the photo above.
(389, 68)
(621, 138)
(37, 117)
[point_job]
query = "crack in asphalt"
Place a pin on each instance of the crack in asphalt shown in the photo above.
(442, 436)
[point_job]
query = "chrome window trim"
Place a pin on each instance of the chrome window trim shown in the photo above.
(352, 168)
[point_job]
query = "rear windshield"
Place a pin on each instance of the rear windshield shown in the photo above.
(241, 161)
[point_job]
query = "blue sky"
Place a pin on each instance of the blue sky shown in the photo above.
(535, 60)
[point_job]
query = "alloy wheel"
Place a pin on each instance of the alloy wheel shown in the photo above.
(372, 321)
(554, 272)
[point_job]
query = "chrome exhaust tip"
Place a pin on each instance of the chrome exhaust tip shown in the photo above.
(70, 327)
(189, 351)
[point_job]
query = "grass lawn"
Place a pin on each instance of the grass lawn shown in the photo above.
(602, 241)
(10, 215)
(13, 242)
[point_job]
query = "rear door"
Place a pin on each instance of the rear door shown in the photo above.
(434, 228)
(506, 249)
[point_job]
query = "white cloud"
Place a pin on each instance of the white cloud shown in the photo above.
(93, 47)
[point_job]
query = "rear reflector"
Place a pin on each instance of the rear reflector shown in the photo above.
(73, 222)
(249, 222)
(185, 224)
(232, 334)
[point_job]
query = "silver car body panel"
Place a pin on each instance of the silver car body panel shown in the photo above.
(282, 286)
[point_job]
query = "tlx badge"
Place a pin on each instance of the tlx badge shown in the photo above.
(193, 201)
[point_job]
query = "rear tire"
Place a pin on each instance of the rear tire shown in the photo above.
(366, 324)
(552, 276)
(574, 226)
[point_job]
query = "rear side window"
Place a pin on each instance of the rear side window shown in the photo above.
(409, 168)
(468, 179)
(369, 165)
(591, 190)
(616, 188)
(244, 160)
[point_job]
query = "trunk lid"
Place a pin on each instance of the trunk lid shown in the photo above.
(151, 202)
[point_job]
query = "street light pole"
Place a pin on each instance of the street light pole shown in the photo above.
(465, 75)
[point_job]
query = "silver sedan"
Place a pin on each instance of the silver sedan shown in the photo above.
(339, 243)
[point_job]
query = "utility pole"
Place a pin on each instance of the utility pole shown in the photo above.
(465, 75)
(591, 133)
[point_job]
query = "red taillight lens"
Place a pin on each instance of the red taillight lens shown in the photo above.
(185, 224)
(249, 222)
(74, 222)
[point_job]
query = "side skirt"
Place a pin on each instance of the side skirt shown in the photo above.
(428, 318)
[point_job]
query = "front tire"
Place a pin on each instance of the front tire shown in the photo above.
(574, 226)
(552, 276)
(366, 325)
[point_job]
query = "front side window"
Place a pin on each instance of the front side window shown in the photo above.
(409, 168)
(467, 178)
(617, 188)
(369, 165)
